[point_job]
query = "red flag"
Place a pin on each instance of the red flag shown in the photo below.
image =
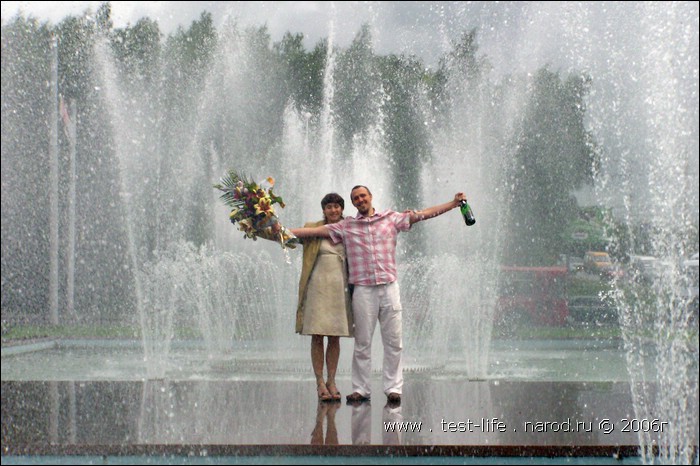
(63, 110)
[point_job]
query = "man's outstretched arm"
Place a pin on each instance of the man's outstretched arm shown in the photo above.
(431, 212)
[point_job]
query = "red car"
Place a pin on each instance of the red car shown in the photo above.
(535, 295)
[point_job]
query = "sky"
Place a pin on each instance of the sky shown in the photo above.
(514, 35)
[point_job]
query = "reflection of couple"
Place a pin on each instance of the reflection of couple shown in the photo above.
(367, 243)
(325, 411)
(361, 424)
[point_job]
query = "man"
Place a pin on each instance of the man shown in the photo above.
(370, 244)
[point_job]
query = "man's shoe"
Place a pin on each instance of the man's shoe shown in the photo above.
(392, 404)
(356, 398)
(394, 398)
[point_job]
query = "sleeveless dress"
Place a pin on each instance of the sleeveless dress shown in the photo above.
(327, 309)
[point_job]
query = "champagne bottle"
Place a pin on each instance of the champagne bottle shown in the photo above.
(467, 213)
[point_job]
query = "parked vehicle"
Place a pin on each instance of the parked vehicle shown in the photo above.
(600, 263)
(575, 264)
(690, 268)
(597, 309)
(691, 262)
(642, 267)
(535, 295)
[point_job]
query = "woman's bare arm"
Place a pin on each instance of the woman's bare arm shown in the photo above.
(310, 232)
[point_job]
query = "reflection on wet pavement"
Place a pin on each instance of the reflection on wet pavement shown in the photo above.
(268, 412)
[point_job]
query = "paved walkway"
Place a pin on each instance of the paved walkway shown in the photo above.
(489, 418)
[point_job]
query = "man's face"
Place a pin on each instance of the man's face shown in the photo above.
(362, 200)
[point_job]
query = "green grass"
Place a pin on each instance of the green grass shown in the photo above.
(107, 331)
(571, 332)
(28, 332)
(560, 333)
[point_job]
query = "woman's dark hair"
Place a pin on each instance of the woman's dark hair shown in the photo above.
(333, 198)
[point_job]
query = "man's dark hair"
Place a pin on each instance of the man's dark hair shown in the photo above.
(360, 186)
(333, 198)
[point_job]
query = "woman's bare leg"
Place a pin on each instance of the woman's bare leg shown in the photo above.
(332, 358)
(317, 364)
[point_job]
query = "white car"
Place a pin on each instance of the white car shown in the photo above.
(643, 266)
(575, 264)
(690, 267)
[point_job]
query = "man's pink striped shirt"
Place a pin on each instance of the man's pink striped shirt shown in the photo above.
(370, 245)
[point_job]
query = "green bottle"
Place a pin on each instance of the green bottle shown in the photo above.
(467, 213)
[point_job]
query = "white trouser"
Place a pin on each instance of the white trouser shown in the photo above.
(369, 304)
(361, 424)
(391, 416)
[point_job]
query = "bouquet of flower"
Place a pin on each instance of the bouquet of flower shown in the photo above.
(252, 208)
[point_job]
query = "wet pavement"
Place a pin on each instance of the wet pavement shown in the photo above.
(234, 417)
(541, 400)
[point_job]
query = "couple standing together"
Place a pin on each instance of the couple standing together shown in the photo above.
(367, 244)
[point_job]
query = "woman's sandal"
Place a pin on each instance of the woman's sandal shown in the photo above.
(333, 390)
(322, 391)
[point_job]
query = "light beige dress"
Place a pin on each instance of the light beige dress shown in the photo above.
(327, 309)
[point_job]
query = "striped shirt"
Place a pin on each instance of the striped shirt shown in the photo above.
(370, 245)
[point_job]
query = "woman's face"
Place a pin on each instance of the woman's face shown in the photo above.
(333, 212)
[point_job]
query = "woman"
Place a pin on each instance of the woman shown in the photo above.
(324, 300)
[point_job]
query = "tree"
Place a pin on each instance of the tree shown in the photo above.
(137, 50)
(25, 167)
(101, 225)
(182, 184)
(357, 88)
(455, 86)
(406, 133)
(555, 155)
(304, 71)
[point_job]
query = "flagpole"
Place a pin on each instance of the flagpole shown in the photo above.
(70, 288)
(53, 191)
